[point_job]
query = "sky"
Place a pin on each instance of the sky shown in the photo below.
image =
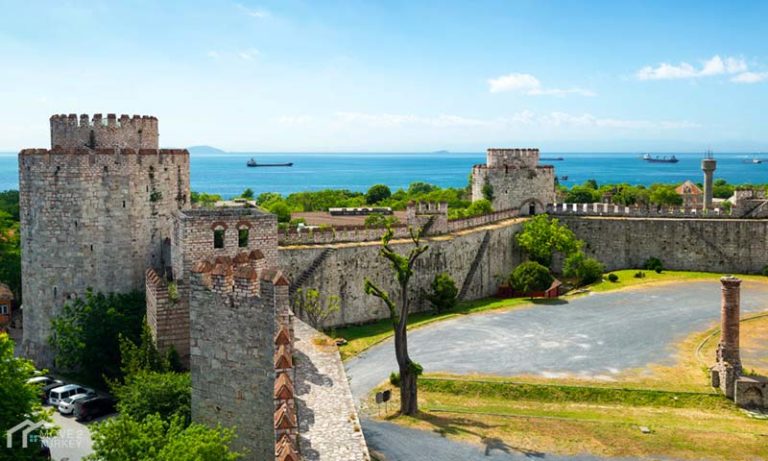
(395, 76)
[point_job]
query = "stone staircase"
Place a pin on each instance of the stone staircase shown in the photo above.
(475, 264)
(308, 272)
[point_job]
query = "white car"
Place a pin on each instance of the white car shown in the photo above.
(67, 405)
(60, 393)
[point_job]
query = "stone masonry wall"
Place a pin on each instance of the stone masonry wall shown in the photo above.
(714, 245)
(233, 323)
(67, 131)
(515, 187)
(343, 271)
(91, 218)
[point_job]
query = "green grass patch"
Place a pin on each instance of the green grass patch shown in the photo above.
(361, 337)
(627, 278)
(555, 393)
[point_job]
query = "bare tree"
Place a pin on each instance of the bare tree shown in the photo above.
(402, 266)
(307, 303)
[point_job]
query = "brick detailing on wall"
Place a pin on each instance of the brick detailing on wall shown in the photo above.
(735, 246)
(516, 179)
(138, 132)
(475, 263)
(309, 271)
(167, 317)
(91, 219)
(726, 374)
(236, 317)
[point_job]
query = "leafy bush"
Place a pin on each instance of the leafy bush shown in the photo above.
(530, 276)
(377, 193)
(380, 220)
(765, 271)
(542, 236)
(444, 295)
(653, 264)
(488, 191)
(280, 209)
(85, 336)
(394, 379)
(585, 270)
(247, 194)
(613, 278)
(639, 275)
(145, 393)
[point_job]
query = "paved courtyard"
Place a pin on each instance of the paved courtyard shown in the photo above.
(598, 335)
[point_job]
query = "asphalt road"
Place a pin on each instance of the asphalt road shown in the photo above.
(592, 336)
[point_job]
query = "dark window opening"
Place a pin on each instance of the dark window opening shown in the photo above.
(75, 224)
(91, 247)
(218, 238)
(123, 203)
(55, 291)
(106, 169)
(242, 237)
(531, 209)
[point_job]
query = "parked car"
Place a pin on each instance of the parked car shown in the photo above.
(60, 393)
(46, 384)
(93, 407)
(67, 406)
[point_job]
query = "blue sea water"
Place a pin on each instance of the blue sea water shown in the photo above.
(226, 174)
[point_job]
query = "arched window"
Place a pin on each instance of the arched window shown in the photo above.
(218, 237)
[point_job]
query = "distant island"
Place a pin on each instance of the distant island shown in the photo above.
(205, 150)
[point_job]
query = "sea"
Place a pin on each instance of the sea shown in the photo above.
(227, 174)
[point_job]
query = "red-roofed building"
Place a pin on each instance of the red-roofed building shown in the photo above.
(693, 197)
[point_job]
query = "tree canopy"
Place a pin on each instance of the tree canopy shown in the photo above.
(530, 276)
(542, 236)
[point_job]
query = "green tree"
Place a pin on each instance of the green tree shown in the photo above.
(154, 439)
(309, 304)
(402, 266)
(582, 268)
(542, 236)
(662, 195)
(444, 295)
(86, 335)
(582, 194)
(530, 276)
(488, 191)
(420, 188)
(380, 220)
(142, 356)
(280, 209)
(247, 194)
(377, 193)
(204, 199)
(18, 401)
(145, 393)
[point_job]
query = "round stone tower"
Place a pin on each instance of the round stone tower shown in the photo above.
(94, 210)
(708, 166)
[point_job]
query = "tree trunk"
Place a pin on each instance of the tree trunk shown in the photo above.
(408, 390)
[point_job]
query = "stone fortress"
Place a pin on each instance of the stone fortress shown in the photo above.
(105, 208)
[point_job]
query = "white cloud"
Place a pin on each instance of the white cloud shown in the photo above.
(530, 85)
(213, 54)
(711, 67)
(750, 77)
(248, 55)
(253, 12)
(384, 120)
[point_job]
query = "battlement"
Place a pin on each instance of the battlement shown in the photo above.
(429, 207)
(139, 132)
(85, 151)
(241, 276)
(517, 157)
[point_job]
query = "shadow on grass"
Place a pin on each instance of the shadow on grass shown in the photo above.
(456, 425)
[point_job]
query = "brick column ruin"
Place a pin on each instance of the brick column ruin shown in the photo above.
(728, 366)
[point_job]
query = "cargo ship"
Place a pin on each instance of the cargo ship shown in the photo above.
(657, 159)
(253, 163)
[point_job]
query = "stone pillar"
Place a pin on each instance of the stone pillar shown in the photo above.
(728, 349)
(708, 166)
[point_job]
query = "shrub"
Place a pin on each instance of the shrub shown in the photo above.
(488, 191)
(585, 270)
(394, 379)
(653, 264)
(542, 236)
(444, 293)
(639, 274)
(281, 210)
(380, 220)
(377, 193)
(613, 278)
(145, 393)
(530, 276)
(765, 271)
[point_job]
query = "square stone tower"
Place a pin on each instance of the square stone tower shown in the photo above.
(513, 179)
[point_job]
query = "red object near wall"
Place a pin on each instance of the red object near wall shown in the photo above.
(506, 291)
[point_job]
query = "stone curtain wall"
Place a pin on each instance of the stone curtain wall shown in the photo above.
(344, 270)
(468, 223)
(609, 209)
(168, 319)
(233, 322)
(138, 132)
(515, 187)
(712, 245)
(91, 218)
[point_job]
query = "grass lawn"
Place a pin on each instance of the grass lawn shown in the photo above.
(361, 337)
(601, 420)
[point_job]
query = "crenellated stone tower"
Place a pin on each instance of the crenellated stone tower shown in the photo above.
(95, 209)
(513, 179)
